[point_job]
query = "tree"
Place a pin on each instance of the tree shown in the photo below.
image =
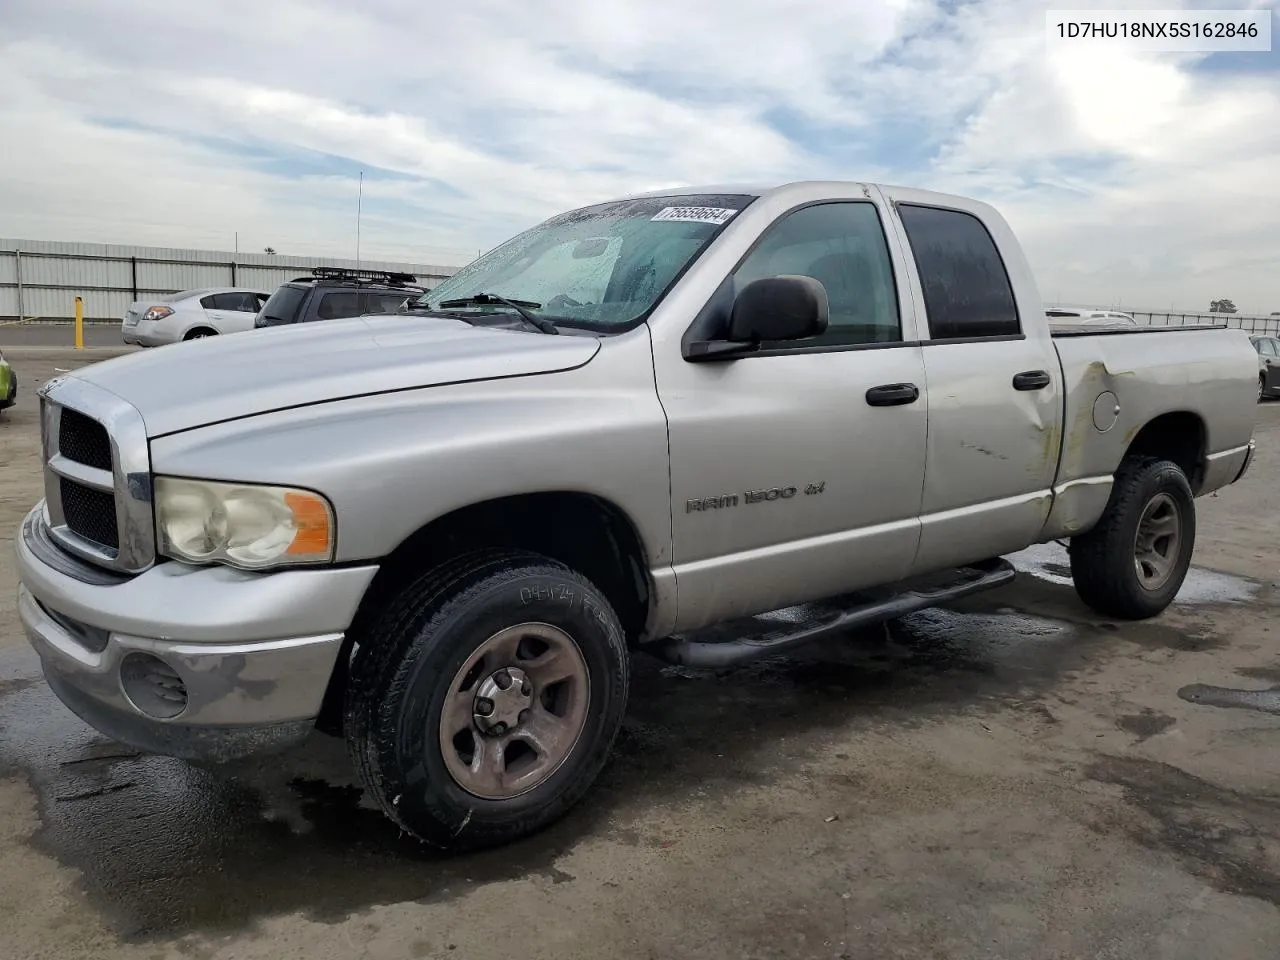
(269, 250)
(1222, 306)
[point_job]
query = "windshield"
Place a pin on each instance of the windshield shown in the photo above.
(602, 267)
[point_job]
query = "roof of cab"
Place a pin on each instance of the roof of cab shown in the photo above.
(761, 190)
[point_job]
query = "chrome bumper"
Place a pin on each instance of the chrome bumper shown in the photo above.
(203, 663)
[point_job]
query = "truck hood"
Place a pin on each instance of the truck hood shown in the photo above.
(185, 385)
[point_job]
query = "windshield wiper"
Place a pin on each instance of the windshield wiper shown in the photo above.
(521, 307)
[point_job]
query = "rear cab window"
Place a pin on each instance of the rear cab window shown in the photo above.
(967, 291)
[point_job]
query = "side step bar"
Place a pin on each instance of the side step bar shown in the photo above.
(693, 653)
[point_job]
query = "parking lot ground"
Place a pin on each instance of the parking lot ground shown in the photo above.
(58, 335)
(1011, 777)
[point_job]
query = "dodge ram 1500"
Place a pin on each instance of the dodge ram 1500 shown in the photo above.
(446, 531)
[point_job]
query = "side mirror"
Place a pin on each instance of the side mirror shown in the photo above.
(771, 308)
(779, 308)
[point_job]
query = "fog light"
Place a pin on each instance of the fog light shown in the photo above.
(152, 686)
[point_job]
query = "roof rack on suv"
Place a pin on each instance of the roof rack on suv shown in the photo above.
(358, 276)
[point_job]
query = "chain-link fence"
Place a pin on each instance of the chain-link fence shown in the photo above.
(1250, 322)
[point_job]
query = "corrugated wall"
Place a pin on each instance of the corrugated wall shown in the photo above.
(41, 278)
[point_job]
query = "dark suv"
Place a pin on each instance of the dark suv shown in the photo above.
(331, 293)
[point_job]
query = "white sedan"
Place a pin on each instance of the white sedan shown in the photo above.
(189, 314)
(1092, 318)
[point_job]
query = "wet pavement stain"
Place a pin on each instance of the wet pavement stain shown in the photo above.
(1049, 599)
(167, 849)
(1264, 701)
(1146, 724)
(1267, 674)
(1228, 839)
(15, 684)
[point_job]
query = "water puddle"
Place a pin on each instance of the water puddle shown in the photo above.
(1264, 701)
(1049, 562)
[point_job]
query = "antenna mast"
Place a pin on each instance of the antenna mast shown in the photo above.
(359, 205)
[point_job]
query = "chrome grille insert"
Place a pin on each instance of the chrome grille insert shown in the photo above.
(90, 513)
(84, 440)
(97, 476)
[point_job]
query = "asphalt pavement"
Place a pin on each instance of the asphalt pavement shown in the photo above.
(58, 335)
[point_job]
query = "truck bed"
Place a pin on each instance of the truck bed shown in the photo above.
(1204, 375)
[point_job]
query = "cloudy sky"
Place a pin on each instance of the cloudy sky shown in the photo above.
(1144, 179)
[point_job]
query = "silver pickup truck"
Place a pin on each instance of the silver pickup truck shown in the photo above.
(444, 532)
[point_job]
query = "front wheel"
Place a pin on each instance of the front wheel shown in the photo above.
(485, 701)
(1132, 563)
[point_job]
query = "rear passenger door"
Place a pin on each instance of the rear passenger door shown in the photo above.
(994, 383)
(340, 304)
(233, 312)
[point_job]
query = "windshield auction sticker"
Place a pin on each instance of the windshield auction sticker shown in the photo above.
(695, 214)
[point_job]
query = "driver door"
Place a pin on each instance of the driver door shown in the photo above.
(791, 477)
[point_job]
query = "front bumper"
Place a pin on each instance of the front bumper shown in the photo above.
(205, 663)
(1248, 461)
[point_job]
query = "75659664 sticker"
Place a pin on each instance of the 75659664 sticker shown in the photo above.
(716, 215)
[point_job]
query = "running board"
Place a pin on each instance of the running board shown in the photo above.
(771, 640)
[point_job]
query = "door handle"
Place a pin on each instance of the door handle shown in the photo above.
(893, 394)
(1031, 380)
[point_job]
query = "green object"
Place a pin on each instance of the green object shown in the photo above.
(6, 384)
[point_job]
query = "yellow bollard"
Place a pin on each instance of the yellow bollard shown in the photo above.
(79, 324)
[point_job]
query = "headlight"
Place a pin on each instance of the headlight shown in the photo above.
(157, 313)
(244, 525)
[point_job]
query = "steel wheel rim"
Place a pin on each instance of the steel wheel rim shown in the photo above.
(1158, 541)
(500, 742)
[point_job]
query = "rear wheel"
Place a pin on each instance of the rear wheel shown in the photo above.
(200, 332)
(484, 703)
(1132, 563)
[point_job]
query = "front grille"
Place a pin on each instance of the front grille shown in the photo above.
(84, 440)
(90, 513)
(96, 477)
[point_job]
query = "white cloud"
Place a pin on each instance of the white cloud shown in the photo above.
(1134, 177)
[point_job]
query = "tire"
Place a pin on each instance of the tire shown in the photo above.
(1105, 562)
(413, 665)
(199, 334)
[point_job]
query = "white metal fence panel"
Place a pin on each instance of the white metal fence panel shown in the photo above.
(41, 279)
